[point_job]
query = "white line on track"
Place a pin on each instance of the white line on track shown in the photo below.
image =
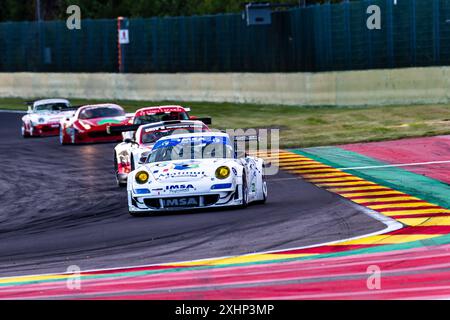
(391, 225)
(414, 164)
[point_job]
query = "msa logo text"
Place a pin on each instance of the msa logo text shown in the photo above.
(181, 202)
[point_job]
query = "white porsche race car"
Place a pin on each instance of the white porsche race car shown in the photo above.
(129, 154)
(44, 116)
(191, 171)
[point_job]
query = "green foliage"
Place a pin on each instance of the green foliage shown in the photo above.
(13, 10)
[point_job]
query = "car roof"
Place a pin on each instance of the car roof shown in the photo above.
(200, 134)
(100, 106)
(162, 108)
(49, 101)
(169, 123)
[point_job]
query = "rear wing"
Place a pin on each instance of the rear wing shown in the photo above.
(207, 120)
(242, 140)
(135, 127)
(122, 129)
(246, 138)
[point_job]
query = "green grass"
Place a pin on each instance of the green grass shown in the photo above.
(311, 126)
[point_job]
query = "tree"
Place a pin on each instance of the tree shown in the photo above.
(13, 10)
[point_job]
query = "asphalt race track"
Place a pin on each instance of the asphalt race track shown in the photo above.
(60, 207)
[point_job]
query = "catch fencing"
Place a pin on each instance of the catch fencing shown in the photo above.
(324, 37)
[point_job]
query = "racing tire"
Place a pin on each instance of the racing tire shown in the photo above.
(25, 133)
(264, 185)
(116, 172)
(62, 137)
(73, 137)
(31, 130)
(244, 191)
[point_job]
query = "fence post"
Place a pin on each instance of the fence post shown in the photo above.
(390, 32)
(413, 33)
(41, 44)
(369, 37)
(329, 42)
(122, 24)
(348, 45)
(436, 33)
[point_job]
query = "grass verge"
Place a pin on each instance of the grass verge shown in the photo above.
(310, 126)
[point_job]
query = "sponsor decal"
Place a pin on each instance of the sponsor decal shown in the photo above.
(180, 174)
(165, 164)
(142, 191)
(179, 188)
(109, 121)
(221, 186)
(187, 166)
(182, 202)
(158, 110)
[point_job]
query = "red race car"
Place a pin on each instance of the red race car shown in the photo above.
(150, 115)
(163, 113)
(89, 124)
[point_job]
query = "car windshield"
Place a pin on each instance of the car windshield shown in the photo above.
(191, 148)
(54, 107)
(101, 112)
(151, 136)
(163, 116)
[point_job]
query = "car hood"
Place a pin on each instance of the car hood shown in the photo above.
(99, 122)
(49, 117)
(186, 170)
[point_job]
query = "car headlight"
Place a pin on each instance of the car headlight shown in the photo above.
(222, 173)
(85, 125)
(142, 177)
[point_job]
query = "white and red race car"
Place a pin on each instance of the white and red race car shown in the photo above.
(195, 171)
(44, 116)
(129, 154)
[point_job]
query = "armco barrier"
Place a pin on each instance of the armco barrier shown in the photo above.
(352, 88)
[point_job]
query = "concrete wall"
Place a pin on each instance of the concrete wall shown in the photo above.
(375, 87)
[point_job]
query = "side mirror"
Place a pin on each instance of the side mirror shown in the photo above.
(144, 157)
(129, 140)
